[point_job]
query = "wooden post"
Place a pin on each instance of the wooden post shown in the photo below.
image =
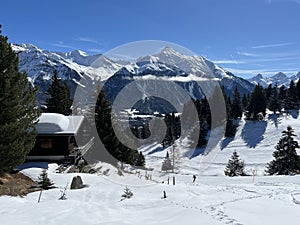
(40, 195)
(11, 188)
(168, 180)
(253, 175)
(173, 157)
(173, 180)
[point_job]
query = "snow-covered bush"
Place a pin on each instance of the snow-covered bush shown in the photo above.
(127, 193)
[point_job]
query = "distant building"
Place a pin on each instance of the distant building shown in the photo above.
(56, 138)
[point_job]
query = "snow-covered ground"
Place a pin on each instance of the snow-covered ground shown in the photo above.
(212, 199)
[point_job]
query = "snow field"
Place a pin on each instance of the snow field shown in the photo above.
(213, 199)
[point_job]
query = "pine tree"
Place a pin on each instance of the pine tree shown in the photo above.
(204, 112)
(291, 97)
(202, 140)
(112, 149)
(269, 91)
(215, 102)
(140, 159)
(236, 108)
(18, 110)
(286, 159)
(58, 100)
(202, 125)
(274, 102)
(245, 101)
(105, 131)
(167, 163)
(44, 181)
(258, 103)
(298, 90)
(173, 129)
(230, 128)
(282, 93)
(235, 166)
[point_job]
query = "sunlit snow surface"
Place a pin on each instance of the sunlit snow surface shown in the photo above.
(212, 199)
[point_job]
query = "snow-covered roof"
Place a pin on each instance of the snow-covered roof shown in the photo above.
(54, 123)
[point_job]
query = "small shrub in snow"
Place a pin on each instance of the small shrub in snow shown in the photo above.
(235, 166)
(44, 181)
(63, 193)
(127, 193)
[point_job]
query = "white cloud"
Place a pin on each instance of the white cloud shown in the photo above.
(273, 1)
(247, 54)
(230, 61)
(94, 50)
(89, 40)
(60, 44)
(273, 45)
(266, 57)
(296, 1)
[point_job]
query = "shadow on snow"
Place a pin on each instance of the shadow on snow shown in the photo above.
(253, 132)
(158, 149)
(27, 165)
(226, 142)
(194, 153)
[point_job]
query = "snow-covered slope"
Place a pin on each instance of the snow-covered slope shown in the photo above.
(279, 79)
(254, 141)
(213, 199)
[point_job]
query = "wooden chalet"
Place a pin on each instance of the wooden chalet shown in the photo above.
(56, 138)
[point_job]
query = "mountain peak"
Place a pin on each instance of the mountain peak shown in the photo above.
(280, 75)
(78, 53)
(259, 76)
(279, 79)
(24, 47)
(297, 75)
(169, 51)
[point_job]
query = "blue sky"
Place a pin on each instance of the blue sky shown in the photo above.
(245, 36)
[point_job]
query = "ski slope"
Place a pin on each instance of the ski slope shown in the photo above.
(213, 199)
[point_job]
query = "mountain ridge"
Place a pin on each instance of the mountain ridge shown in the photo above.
(278, 79)
(76, 66)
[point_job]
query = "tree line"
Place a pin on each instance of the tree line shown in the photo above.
(253, 105)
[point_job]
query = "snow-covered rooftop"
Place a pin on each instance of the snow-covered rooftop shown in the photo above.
(54, 123)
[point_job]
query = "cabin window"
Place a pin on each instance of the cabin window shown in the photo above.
(46, 143)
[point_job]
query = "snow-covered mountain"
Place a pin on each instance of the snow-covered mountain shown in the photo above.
(184, 70)
(296, 76)
(71, 67)
(279, 79)
(75, 66)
